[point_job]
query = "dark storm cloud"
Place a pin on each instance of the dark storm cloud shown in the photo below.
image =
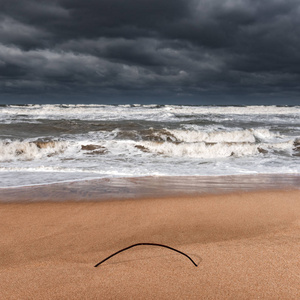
(174, 48)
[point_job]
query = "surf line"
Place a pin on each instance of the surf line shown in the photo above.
(146, 244)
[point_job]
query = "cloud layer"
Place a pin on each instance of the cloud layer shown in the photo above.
(204, 51)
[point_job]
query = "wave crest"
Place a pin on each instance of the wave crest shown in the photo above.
(25, 150)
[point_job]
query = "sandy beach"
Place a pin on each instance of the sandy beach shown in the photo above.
(246, 245)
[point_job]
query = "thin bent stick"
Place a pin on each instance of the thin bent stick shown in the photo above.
(147, 244)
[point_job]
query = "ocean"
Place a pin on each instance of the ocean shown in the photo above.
(43, 144)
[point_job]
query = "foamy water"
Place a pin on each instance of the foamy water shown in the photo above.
(53, 143)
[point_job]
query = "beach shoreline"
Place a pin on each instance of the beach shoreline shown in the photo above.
(245, 242)
(108, 189)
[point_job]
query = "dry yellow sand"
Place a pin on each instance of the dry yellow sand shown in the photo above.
(247, 246)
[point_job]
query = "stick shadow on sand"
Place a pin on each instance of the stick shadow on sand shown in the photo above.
(147, 244)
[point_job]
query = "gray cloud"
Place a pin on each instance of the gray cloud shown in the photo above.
(217, 49)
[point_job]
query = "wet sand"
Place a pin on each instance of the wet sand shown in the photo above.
(148, 187)
(247, 245)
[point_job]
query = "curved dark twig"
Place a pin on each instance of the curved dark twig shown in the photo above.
(143, 244)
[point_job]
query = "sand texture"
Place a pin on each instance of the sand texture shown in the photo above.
(247, 245)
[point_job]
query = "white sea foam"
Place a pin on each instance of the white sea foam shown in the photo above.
(214, 137)
(141, 112)
(17, 150)
(211, 150)
(176, 143)
(201, 150)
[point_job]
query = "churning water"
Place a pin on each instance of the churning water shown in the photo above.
(53, 143)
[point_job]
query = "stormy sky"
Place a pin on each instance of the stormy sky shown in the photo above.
(150, 51)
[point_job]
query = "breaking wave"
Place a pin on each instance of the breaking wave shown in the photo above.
(24, 150)
(194, 136)
(172, 143)
(212, 150)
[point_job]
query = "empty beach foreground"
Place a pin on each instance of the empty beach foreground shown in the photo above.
(246, 245)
